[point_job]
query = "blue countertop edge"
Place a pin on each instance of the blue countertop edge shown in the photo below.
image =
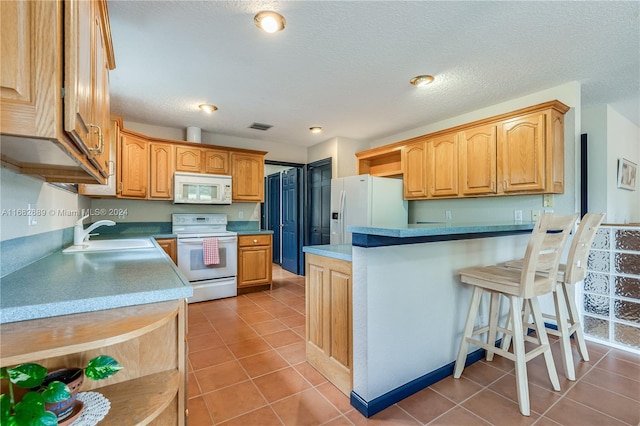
(427, 233)
(335, 251)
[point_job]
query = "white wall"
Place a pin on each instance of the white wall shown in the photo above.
(342, 152)
(58, 209)
(610, 137)
(623, 141)
(500, 209)
(160, 211)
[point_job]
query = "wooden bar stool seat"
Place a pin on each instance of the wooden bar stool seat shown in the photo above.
(566, 312)
(543, 252)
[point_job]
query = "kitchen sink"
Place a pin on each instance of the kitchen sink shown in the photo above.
(108, 245)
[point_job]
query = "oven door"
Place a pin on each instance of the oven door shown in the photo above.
(191, 261)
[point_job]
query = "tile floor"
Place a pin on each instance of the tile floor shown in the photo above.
(247, 367)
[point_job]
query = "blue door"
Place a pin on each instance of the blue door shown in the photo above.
(290, 220)
(273, 212)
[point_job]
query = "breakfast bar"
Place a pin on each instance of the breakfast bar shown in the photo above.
(408, 305)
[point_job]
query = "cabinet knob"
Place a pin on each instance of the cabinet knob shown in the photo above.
(255, 241)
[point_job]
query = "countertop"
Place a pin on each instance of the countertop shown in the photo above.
(335, 251)
(431, 232)
(62, 284)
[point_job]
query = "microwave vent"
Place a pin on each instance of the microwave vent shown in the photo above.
(260, 126)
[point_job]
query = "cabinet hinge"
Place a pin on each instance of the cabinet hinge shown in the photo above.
(62, 92)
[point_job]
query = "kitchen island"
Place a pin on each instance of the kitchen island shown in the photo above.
(408, 305)
(65, 309)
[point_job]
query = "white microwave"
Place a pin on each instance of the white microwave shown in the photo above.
(197, 188)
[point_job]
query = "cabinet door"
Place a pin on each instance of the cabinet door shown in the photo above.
(414, 163)
(134, 170)
(216, 161)
(161, 164)
(101, 106)
(254, 266)
(478, 160)
(170, 246)
(29, 67)
(247, 171)
(188, 159)
(521, 151)
(442, 170)
(79, 66)
(329, 319)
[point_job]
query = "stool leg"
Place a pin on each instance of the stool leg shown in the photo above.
(544, 340)
(565, 334)
(468, 331)
(522, 383)
(494, 313)
(574, 320)
(506, 337)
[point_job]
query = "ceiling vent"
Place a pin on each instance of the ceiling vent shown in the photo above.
(260, 126)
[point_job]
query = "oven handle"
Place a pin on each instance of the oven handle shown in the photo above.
(198, 241)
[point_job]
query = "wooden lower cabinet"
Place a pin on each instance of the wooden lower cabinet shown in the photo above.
(329, 319)
(147, 340)
(254, 261)
(170, 246)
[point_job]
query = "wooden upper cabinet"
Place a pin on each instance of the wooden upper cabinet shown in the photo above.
(27, 82)
(521, 153)
(477, 150)
(188, 159)
(414, 159)
(87, 64)
(161, 168)
(442, 166)
(79, 67)
(216, 162)
(50, 48)
(134, 157)
(248, 176)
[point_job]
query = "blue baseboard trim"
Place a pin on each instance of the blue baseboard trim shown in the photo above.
(369, 408)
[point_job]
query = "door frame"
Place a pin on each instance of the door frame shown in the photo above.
(301, 208)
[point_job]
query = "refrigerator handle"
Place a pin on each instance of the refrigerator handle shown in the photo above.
(343, 195)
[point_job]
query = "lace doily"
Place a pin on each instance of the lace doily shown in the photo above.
(96, 406)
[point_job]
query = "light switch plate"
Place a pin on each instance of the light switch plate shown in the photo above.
(517, 215)
(547, 200)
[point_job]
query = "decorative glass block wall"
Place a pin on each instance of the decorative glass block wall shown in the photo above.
(610, 301)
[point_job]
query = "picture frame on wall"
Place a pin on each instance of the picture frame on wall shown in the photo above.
(627, 173)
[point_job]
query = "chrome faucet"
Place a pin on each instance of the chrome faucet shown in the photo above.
(80, 235)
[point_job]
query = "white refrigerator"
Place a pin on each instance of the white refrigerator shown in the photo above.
(365, 200)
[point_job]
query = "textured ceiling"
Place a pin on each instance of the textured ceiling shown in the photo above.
(346, 65)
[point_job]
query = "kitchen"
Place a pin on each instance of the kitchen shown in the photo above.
(50, 233)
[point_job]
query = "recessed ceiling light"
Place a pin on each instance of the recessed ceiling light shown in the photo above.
(421, 80)
(208, 108)
(315, 129)
(269, 21)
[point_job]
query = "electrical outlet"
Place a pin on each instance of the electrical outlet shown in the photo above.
(447, 214)
(535, 214)
(517, 215)
(240, 214)
(547, 200)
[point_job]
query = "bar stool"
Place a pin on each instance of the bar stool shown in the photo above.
(566, 312)
(544, 249)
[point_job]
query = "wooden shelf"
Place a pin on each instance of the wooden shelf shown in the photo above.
(27, 341)
(138, 401)
(380, 162)
(147, 340)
